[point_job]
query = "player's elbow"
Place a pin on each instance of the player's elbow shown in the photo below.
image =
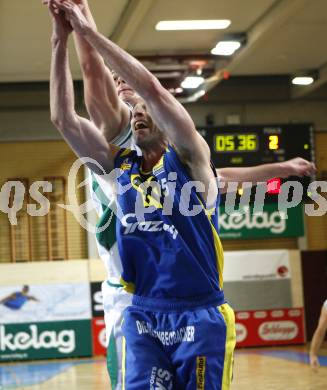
(92, 64)
(62, 121)
(58, 121)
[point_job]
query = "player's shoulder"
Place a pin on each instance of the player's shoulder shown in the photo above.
(125, 158)
(124, 153)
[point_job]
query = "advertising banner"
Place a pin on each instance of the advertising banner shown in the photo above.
(99, 337)
(256, 265)
(45, 340)
(96, 298)
(271, 223)
(270, 327)
(44, 303)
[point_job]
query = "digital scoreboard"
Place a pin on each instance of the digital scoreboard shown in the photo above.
(243, 146)
(255, 145)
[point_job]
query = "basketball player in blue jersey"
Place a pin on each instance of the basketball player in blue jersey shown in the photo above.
(17, 300)
(115, 300)
(210, 292)
(179, 331)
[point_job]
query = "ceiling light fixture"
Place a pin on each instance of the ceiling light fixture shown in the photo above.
(302, 80)
(226, 48)
(192, 82)
(218, 24)
(199, 72)
(167, 75)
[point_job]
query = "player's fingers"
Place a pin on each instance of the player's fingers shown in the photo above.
(53, 8)
(303, 162)
(50, 6)
(67, 8)
(67, 4)
(311, 169)
(58, 4)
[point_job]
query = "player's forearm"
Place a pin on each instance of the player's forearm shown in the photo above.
(61, 85)
(87, 55)
(255, 174)
(87, 12)
(129, 68)
(101, 99)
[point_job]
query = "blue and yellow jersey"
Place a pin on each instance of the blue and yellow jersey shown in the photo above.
(165, 253)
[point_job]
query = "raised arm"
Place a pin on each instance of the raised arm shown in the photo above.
(318, 338)
(261, 173)
(81, 134)
(106, 109)
(166, 111)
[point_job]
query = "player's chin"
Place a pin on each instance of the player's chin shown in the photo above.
(141, 136)
(141, 133)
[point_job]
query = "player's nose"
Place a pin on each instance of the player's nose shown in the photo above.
(120, 81)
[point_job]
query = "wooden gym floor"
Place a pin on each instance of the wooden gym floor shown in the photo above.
(260, 369)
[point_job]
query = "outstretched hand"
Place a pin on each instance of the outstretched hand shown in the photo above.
(73, 13)
(299, 167)
(79, 2)
(61, 26)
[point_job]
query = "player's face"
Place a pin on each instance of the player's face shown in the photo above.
(144, 130)
(125, 92)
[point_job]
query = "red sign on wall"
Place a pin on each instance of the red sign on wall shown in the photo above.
(99, 336)
(269, 327)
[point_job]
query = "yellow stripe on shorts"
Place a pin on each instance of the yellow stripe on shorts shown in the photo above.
(123, 365)
(229, 317)
(200, 372)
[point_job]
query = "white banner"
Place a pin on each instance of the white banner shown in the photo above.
(256, 265)
(44, 303)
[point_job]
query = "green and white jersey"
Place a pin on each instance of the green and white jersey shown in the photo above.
(104, 203)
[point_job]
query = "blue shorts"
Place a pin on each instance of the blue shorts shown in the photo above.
(186, 350)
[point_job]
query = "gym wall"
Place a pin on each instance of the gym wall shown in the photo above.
(37, 160)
